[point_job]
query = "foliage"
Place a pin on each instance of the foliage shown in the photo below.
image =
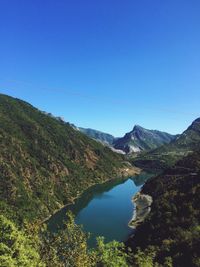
(173, 227)
(111, 254)
(97, 135)
(17, 249)
(68, 247)
(167, 155)
(45, 163)
(144, 259)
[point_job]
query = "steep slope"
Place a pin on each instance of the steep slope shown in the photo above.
(171, 232)
(141, 139)
(168, 154)
(98, 135)
(45, 163)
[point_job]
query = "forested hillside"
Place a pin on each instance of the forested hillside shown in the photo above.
(171, 233)
(45, 163)
(165, 156)
(105, 138)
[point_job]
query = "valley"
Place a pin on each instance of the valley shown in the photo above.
(54, 176)
(136, 141)
(99, 133)
(104, 210)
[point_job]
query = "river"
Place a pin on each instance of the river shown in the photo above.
(105, 209)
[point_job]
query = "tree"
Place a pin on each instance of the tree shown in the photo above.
(144, 258)
(111, 254)
(16, 249)
(68, 247)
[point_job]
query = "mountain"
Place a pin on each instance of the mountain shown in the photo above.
(189, 140)
(171, 232)
(141, 139)
(138, 140)
(45, 163)
(166, 155)
(98, 135)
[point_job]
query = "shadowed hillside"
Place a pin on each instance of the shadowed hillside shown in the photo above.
(45, 163)
(167, 155)
(171, 233)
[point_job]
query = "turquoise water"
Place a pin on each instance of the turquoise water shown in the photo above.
(104, 210)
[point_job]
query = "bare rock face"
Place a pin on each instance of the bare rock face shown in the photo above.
(141, 139)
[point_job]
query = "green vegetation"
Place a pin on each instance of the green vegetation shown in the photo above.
(97, 135)
(172, 230)
(111, 254)
(167, 155)
(68, 247)
(157, 160)
(16, 248)
(45, 163)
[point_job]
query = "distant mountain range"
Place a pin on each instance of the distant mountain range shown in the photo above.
(98, 135)
(46, 163)
(152, 148)
(139, 139)
(172, 226)
(166, 155)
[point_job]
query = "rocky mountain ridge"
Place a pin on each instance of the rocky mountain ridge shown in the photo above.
(135, 141)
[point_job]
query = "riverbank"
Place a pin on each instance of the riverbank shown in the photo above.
(142, 205)
(124, 173)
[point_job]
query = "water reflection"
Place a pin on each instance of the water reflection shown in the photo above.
(104, 209)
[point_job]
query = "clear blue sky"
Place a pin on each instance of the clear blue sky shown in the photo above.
(104, 64)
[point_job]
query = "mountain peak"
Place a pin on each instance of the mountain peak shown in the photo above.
(141, 139)
(138, 127)
(197, 120)
(195, 126)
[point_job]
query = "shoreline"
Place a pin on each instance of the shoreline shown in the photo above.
(142, 204)
(125, 174)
